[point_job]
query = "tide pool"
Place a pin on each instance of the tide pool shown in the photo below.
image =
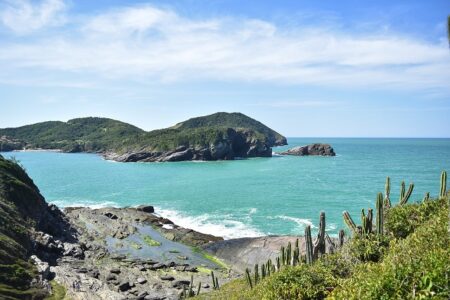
(252, 197)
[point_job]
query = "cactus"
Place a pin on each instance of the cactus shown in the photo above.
(263, 271)
(296, 257)
(268, 267)
(380, 214)
(319, 245)
(341, 237)
(369, 220)
(364, 222)
(404, 196)
(331, 243)
(350, 223)
(190, 292)
(198, 288)
(213, 280)
(427, 196)
(184, 293)
(289, 254)
(309, 245)
(217, 284)
(278, 263)
(443, 188)
(283, 256)
(387, 193)
(256, 274)
(249, 278)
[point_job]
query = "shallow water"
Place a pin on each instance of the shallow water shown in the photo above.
(277, 195)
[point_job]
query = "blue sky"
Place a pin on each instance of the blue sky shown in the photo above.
(305, 68)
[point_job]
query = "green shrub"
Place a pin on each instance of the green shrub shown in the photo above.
(402, 220)
(368, 248)
(300, 282)
(415, 267)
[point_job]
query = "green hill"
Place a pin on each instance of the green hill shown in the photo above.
(233, 120)
(234, 133)
(23, 211)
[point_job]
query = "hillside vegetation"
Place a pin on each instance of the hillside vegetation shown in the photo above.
(20, 206)
(107, 135)
(408, 259)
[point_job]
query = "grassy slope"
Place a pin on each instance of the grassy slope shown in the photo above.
(18, 197)
(101, 134)
(412, 262)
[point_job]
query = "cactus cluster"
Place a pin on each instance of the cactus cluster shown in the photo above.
(404, 196)
(382, 204)
(189, 292)
(215, 281)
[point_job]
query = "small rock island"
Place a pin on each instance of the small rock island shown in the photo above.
(312, 149)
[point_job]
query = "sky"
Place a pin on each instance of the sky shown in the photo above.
(304, 68)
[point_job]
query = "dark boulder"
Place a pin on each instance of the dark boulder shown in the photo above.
(312, 149)
(146, 208)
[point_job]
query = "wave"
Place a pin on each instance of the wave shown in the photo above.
(211, 224)
(302, 223)
(84, 203)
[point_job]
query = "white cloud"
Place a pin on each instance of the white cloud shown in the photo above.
(149, 43)
(23, 16)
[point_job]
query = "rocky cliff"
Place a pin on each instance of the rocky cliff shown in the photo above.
(220, 136)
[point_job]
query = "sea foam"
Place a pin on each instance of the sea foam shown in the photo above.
(210, 224)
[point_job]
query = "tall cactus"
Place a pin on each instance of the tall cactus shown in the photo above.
(309, 245)
(380, 214)
(341, 237)
(350, 223)
(427, 196)
(213, 280)
(404, 196)
(283, 256)
(369, 220)
(198, 288)
(443, 188)
(319, 245)
(256, 274)
(364, 222)
(249, 278)
(288, 254)
(387, 193)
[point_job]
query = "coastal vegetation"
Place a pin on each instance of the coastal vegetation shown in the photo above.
(106, 135)
(403, 254)
(16, 220)
(398, 250)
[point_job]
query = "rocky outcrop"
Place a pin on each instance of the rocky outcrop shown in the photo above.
(312, 149)
(10, 144)
(235, 144)
(220, 136)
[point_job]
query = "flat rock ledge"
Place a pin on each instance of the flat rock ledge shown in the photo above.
(312, 149)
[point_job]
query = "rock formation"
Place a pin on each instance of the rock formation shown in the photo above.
(312, 149)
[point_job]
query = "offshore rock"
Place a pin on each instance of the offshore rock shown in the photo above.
(312, 149)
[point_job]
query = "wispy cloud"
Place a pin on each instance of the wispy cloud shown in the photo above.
(150, 43)
(24, 17)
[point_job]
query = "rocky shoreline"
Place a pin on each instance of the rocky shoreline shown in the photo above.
(132, 253)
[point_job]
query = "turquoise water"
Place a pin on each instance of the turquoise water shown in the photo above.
(277, 195)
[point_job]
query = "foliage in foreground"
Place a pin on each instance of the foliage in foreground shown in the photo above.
(410, 261)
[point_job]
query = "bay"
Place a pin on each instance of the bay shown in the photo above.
(251, 197)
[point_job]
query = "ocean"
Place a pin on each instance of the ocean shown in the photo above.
(252, 197)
